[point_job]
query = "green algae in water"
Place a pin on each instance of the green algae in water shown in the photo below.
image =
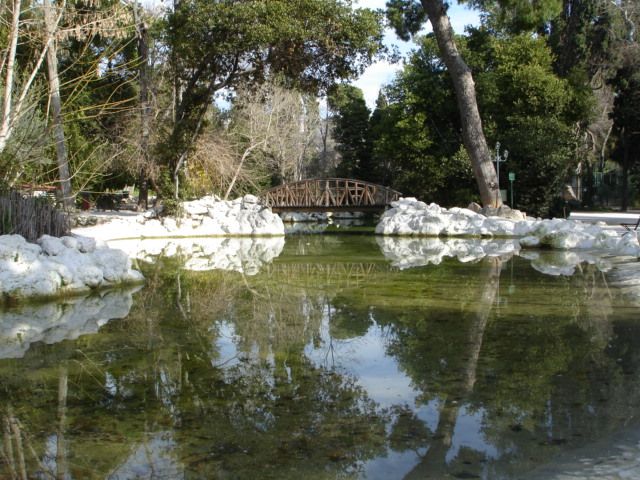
(331, 363)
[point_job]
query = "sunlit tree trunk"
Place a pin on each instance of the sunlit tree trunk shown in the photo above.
(472, 132)
(56, 108)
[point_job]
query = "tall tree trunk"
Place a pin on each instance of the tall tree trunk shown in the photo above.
(472, 133)
(56, 108)
(145, 107)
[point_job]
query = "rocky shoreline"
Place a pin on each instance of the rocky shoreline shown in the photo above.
(100, 255)
(410, 217)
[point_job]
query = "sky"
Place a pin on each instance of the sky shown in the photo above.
(382, 72)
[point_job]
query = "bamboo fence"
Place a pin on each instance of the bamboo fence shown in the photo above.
(31, 217)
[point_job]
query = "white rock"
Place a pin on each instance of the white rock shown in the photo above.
(498, 227)
(51, 245)
(628, 244)
(250, 200)
(206, 216)
(86, 244)
(16, 248)
(113, 263)
(171, 225)
(60, 265)
(90, 275)
(530, 241)
(70, 242)
(411, 217)
(196, 207)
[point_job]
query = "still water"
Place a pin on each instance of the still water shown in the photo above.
(333, 356)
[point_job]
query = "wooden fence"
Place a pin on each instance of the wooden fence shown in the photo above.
(31, 217)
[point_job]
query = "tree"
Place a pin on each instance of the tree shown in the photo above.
(144, 76)
(533, 112)
(585, 37)
(526, 107)
(217, 45)
(380, 123)
(472, 131)
(10, 70)
(419, 132)
(626, 121)
(269, 136)
(71, 37)
(351, 131)
(56, 105)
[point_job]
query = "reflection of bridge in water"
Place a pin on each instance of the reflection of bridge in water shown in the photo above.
(329, 194)
(344, 274)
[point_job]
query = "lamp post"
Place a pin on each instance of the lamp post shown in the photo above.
(512, 177)
(500, 159)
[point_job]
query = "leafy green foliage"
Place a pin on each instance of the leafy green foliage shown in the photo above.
(531, 112)
(351, 131)
(525, 106)
(406, 17)
(626, 118)
(517, 16)
(214, 45)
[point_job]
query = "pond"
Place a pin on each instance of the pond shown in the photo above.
(326, 356)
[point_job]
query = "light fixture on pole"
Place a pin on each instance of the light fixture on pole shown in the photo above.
(500, 159)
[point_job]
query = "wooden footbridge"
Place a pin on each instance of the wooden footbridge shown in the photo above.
(329, 194)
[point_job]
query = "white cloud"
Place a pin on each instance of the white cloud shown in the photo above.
(374, 78)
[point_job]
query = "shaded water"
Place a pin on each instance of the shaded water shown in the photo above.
(324, 360)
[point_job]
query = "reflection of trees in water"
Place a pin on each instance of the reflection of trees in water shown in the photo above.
(516, 371)
(504, 349)
(273, 412)
(284, 422)
(433, 463)
(536, 368)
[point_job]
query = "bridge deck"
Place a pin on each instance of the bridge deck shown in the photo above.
(329, 194)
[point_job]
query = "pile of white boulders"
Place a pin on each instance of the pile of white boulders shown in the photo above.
(55, 266)
(244, 255)
(71, 264)
(206, 216)
(66, 320)
(409, 216)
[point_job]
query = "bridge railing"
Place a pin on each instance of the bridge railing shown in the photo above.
(339, 193)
